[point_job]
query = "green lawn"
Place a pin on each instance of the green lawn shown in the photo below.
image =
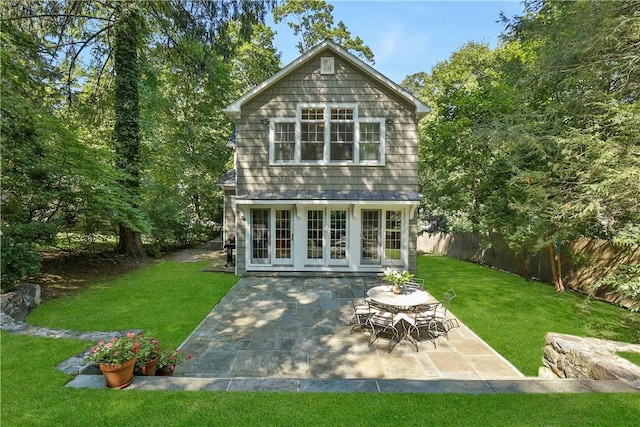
(513, 315)
(169, 299)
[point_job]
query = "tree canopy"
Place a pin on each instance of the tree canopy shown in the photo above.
(112, 121)
(312, 20)
(538, 139)
(112, 118)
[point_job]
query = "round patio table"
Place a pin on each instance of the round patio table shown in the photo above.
(409, 297)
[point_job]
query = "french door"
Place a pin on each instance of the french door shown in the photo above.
(327, 237)
(271, 236)
(382, 237)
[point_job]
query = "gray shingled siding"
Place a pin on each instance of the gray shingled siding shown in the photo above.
(229, 214)
(347, 85)
(241, 245)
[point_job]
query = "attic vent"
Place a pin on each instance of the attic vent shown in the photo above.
(327, 65)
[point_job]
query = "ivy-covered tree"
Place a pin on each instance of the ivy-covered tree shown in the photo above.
(98, 43)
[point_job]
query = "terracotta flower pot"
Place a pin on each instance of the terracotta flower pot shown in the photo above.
(164, 373)
(118, 376)
(150, 367)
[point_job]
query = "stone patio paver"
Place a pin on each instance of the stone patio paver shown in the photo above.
(297, 327)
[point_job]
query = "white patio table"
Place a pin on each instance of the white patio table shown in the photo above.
(404, 302)
(409, 297)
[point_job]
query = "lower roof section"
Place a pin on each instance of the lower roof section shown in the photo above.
(328, 196)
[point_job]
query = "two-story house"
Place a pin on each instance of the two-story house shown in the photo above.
(326, 169)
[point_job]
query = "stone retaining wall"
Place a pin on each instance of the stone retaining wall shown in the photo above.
(20, 302)
(568, 356)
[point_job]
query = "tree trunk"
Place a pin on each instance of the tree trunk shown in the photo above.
(130, 243)
(556, 270)
(127, 33)
(558, 284)
(523, 267)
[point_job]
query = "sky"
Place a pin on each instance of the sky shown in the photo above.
(407, 36)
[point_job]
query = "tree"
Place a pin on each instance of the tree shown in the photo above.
(578, 104)
(457, 142)
(312, 20)
(50, 176)
(79, 35)
(127, 39)
(538, 139)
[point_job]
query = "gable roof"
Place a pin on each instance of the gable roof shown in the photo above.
(234, 109)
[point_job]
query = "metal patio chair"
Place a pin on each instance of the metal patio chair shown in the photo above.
(415, 282)
(420, 324)
(384, 324)
(361, 313)
(441, 324)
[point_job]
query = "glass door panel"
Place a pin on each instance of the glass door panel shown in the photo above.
(260, 236)
(371, 237)
(338, 235)
(393, 235)
(315, 237)
(282, 235)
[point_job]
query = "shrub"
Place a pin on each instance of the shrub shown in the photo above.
(18, 259)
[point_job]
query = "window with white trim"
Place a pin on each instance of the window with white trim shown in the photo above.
(312, 134)
(370, 142)
(341, 130)
(327, 134)
(284, 141)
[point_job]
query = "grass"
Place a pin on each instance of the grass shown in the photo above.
(631, 357)
(166, 300)
(514, 316)
(171, 298)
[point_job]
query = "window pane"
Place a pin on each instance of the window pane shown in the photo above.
(370, 237)
(342, 114)
(369, 141)
(312, 114)
(284, 141)
(312, 141)
(283, 234)
(369, 132)
(393, 235)
(338, 242)
(341, 141)
(314, 234)
(260, 235)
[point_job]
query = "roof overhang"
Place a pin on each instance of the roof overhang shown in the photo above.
(234, 109)
(329, 197)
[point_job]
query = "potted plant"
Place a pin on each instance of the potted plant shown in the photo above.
(148, 355)
(169, 359)
(117, 359)
(396, 278)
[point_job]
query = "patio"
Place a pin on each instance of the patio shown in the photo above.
(297, 327)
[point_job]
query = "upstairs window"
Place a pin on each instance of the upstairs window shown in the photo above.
(341, 127)
(312, 134)
(284, 141)
(327, 134)
(370, 142)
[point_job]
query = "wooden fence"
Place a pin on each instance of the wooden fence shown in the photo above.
(583, 264)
